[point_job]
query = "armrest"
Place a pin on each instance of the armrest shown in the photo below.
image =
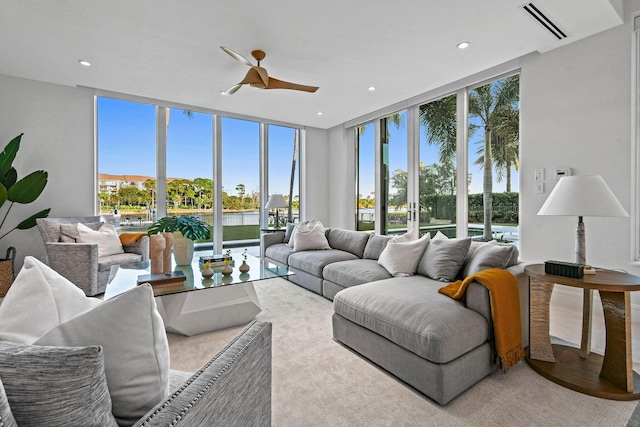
(269, 239)
(477, 299)
(78, 262)
(234, 387)
(141, 247)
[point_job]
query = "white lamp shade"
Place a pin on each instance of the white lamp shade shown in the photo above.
(582, 195)
(276, 201)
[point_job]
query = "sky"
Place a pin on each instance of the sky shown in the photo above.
(126, 145)
(428, 156)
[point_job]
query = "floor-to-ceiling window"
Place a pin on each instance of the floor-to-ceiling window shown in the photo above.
(284, 166)
(482, 188)
(437, 166)
(393, 200)
(493, 155)
(126, 160)
(189, 183)
(365, 177)
(139, 142)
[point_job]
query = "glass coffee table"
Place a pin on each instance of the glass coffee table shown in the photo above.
(196, 304)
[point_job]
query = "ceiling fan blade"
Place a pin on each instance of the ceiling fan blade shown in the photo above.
(233, 89)
(237, 56)
(264, 76)
(280, 84)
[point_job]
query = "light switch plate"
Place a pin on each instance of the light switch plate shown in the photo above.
(540, 188)
(539, 175)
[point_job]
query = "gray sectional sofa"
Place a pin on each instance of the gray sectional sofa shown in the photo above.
(438, 345)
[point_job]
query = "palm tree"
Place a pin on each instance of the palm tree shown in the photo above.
(487, 103)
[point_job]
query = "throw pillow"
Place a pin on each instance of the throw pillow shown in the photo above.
(55, 386)
(6, 417)
(443, 259)
(106, 238)
(69, 232)
(310, 236)
(39, 299)
(288, 232)
(136, 351)
(489, 255)
(292, 238)
(400, 258)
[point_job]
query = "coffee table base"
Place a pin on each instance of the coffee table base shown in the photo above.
(211, 309)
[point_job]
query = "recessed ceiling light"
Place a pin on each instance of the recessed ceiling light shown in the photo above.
(371, 88)
(319, 113)
(463, 45)
(85, 63)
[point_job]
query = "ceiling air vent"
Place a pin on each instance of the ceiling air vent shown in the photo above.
(532, 10)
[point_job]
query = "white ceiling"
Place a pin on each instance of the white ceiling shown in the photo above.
(169, 49)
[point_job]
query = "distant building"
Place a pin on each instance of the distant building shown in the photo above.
(111, 184)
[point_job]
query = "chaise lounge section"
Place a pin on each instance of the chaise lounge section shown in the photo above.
(436, 344)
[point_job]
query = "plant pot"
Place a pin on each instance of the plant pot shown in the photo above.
(244, 268)
(207, 273)
(156, 252)
(6, 271)
(182, 249)
(227, 270)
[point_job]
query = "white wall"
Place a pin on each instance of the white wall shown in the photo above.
(316, 172)
(341, 180)
(57, 122)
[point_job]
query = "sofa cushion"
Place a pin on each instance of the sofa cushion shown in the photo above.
(410, 312)
(310, 236)
(348, 241)
(136, 351)
(401, 258)
(375, 246)
(354, 272)
(69, 232)
(55, 386)
(288, 232)
(44, 308)
(106, 238)
(314, 261)
(279, 252)
(39, 300)
(490, 255)
(444, 258)
(118, 259)
(6, 416)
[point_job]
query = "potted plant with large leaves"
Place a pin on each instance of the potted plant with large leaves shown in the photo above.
(185, 229)
(12, 191)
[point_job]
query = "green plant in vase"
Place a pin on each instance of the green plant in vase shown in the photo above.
(12, 191)
(185, 229)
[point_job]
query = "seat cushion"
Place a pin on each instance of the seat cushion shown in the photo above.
(117, 259)
(410, 312)
(314, 261)
(355, 272)
(279, 252)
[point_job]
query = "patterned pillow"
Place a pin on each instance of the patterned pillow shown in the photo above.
(55, 386)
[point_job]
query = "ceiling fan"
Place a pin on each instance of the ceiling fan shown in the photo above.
(258, 76)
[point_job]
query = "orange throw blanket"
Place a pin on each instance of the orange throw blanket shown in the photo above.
(129, 238)
(505, 311)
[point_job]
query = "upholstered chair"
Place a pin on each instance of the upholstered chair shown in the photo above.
(80, 262)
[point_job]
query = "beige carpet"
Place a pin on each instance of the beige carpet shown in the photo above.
(318, 382)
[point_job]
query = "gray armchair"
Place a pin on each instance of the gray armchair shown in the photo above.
(79, 262)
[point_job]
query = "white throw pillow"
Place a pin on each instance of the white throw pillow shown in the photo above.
(44, 308)
(38, 300)
(106, 238)
(292, 238)
(400, 258)
(310, 236)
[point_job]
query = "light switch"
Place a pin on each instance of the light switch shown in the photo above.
(539, 175)
(540, 188)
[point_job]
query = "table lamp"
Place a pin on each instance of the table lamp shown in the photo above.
(276, 201)
(582, 195)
